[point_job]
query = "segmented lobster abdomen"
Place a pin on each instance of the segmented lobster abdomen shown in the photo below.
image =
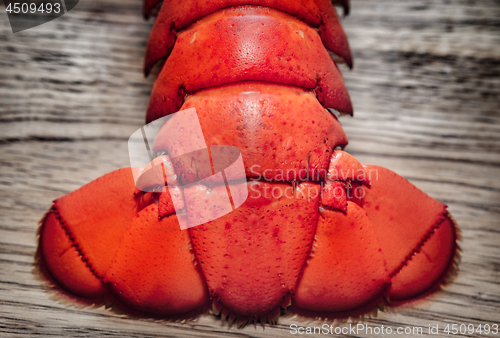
(247, 43)
(175, 16)
(261, 77)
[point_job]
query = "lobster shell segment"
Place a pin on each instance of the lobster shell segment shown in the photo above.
(247, 44)
(283, 132)
(93, 219)
(415, 231)
(429, 266)
(158, 172)
(345, 178)
(345, 167)
(154, 270)
(149, 6)
(347, 271)
(252, 257)
(63, 261)
(176, 15)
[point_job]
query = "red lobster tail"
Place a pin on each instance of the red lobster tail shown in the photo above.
(168, 282)
(391, 243)
(416, 233)
(241, 44)
(82, 231)
(96, 239)
(348, 271)
(318, 231)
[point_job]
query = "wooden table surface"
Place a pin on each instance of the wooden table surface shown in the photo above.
(426, 93)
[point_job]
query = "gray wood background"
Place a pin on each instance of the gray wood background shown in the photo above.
(426, 92)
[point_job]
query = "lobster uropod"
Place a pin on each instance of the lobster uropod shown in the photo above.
(318, 233)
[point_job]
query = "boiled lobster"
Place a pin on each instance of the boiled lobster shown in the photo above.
(319, 233)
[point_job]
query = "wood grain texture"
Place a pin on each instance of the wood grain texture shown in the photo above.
(426, 93)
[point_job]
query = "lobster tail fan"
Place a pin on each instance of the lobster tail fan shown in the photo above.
(82, 231)
(416, 233)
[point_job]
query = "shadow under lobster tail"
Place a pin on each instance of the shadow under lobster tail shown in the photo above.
(150, 7)
(345, 4)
